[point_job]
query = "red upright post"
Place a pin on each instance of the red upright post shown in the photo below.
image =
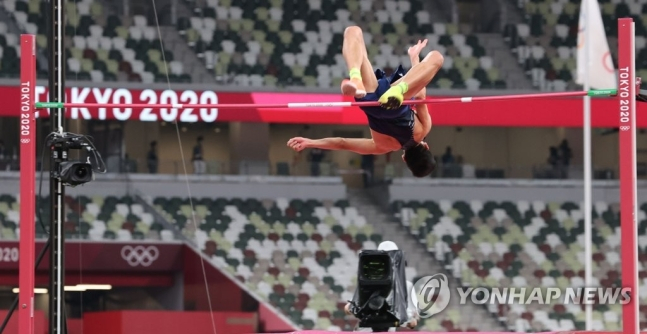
(27, 183)
(628, 191)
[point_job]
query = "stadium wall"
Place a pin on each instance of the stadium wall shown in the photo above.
(505, 190)
(516, 149)
(227, 186)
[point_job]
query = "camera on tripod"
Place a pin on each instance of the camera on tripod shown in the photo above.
(75, 172)
(381, 298)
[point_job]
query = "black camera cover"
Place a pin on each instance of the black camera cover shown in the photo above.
(74, 173)
(381, 298)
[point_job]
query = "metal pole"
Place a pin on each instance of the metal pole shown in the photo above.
(588, 252)
(174, 8)
(126, 8)
(12, 308)
(58, 154)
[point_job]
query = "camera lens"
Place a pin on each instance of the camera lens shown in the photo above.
(81, 172)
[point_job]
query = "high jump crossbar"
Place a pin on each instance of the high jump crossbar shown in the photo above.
(592, 93)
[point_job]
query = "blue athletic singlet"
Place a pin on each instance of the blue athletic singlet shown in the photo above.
(397, 123)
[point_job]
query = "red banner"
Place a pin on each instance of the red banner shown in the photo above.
(40, 323)
(545, 112)
(168, 322)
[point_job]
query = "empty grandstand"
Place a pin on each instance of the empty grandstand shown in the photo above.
(207, 222)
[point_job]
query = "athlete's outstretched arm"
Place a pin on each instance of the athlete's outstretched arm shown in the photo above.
(357, 145)
(414, 56)
(422, 113)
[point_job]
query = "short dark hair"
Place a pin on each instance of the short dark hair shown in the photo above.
(420, 160)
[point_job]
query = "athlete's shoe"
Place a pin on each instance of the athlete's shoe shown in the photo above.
(353, 87)
(392, 98)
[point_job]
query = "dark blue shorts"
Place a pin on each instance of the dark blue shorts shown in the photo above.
(383, 84)
(397, 123)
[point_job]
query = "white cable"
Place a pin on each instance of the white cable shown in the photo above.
(78, 130)
(186, 175)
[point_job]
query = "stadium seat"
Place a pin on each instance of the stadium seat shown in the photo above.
(522, 244)
(303, 239)
(89, 218)
(554, 26)
(90, 31)
(305, 45)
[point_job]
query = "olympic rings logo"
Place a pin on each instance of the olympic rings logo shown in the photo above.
(624, 128)
(140, 255)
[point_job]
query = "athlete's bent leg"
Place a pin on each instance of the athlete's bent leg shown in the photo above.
(356, 56)
(353, 48)
(421, 75)
(368, 75)
(416, 79)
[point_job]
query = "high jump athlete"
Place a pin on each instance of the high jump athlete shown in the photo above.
(393, 126)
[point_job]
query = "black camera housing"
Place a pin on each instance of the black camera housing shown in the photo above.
(381, 299)
(74, 173)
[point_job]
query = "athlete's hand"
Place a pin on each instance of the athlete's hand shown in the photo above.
(299, 143)
(415, 50)
(347, 309)
(412, 323)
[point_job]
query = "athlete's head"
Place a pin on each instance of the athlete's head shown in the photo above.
(419, 160)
